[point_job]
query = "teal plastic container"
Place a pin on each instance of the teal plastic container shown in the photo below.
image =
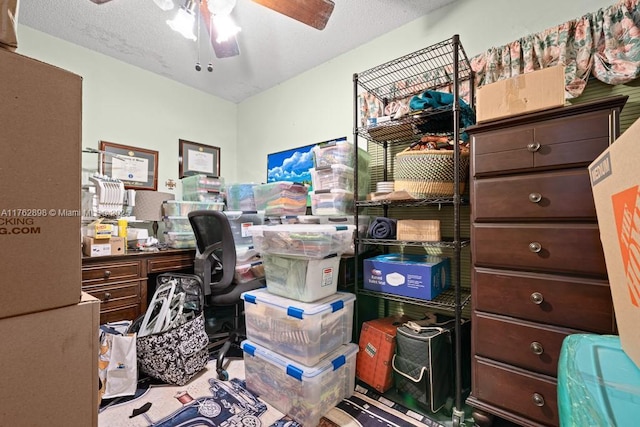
(598, 384)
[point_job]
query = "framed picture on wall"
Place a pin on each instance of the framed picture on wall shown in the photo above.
(195, 158)
(137, 168)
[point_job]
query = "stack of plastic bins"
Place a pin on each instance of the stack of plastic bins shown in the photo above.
(178, 233)
(248, 263)
(298, 354)
(202, 188)
(333, 178)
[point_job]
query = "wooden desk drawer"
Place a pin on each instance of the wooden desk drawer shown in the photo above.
(130, 312)
(109, 272)
(116, 294)
(532, 346)
(568, 141)
(544, 196)
(171, 263)
(562, 248)
(530, 395)
(577, 303)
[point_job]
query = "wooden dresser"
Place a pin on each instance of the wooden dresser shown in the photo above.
(121, 282)
(538, 267)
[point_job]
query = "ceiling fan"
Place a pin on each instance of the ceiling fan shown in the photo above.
(314, 13)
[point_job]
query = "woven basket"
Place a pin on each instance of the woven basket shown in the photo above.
(427, 173)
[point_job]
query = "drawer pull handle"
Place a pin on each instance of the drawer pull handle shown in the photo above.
(107, 296)
(107, 274)
(535, 247)
(533, 147)
(537, 298)
(538, 399)
(536, 348)
(535, 197)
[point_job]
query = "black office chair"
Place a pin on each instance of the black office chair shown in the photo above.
(215, 264)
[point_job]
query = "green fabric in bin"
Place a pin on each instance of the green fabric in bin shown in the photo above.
(598, 384)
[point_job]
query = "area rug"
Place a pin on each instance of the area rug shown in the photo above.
(207, 401)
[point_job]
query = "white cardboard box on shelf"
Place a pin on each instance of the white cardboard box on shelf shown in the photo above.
(305, 393)
(304, 332)
(616, 191)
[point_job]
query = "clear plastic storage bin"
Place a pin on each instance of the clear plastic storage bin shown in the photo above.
(240, 197)
(363, 227)
(196, 183)
(203, 196)
(332, 202)
(180, 240)
(341, 153)
(281, 198)
(303, 332)
(240, 222)
(303, 240)
(332, 177)
(177, 223)
(182, 208)
(305, 393)
(301, 279)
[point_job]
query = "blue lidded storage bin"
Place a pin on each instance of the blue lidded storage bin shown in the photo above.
(598, 384)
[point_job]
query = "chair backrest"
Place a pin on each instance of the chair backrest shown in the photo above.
(214, 240)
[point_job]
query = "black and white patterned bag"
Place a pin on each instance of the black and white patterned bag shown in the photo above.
(172, 343)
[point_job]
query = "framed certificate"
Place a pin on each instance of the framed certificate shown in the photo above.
(197, 159)
(137, 168)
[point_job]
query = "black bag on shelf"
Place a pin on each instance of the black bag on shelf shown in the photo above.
(423, 363)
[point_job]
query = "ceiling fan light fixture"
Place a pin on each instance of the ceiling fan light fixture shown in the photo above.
(184, 20)
(225, 27)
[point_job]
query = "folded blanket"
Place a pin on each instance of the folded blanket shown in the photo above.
(382, 228)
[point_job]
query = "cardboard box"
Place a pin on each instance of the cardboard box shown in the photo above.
(102, 247)
(376, 349)
(49, 366)
(417, 276)
(40, 183)
(526, 93)
(616, 190)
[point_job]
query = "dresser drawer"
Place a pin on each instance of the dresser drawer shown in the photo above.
(564, 142)
(528, 345)
(170, 263)
(530, 395)
(560, 195)
(129, 312)
(116, 294)
(562, 248)
(577, 303)
(109, 272)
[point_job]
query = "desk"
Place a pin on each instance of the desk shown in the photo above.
(120, 282)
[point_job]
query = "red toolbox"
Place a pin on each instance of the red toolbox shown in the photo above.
(377, 346)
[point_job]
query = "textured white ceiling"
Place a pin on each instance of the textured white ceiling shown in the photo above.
(273, 47)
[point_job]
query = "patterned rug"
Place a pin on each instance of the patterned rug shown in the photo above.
(207, 401)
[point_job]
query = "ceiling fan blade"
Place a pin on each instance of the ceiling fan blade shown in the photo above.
(226, 49)
(314, 13)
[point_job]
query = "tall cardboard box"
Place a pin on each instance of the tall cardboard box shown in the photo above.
(49, 367)
(616, 190)
(40, 184)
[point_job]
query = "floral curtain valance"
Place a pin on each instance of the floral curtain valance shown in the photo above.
(605, 44)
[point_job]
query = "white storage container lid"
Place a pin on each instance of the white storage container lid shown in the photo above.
(299, 309)
(176, 217)
(331, 362)
(258, 230)
(238, 214)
